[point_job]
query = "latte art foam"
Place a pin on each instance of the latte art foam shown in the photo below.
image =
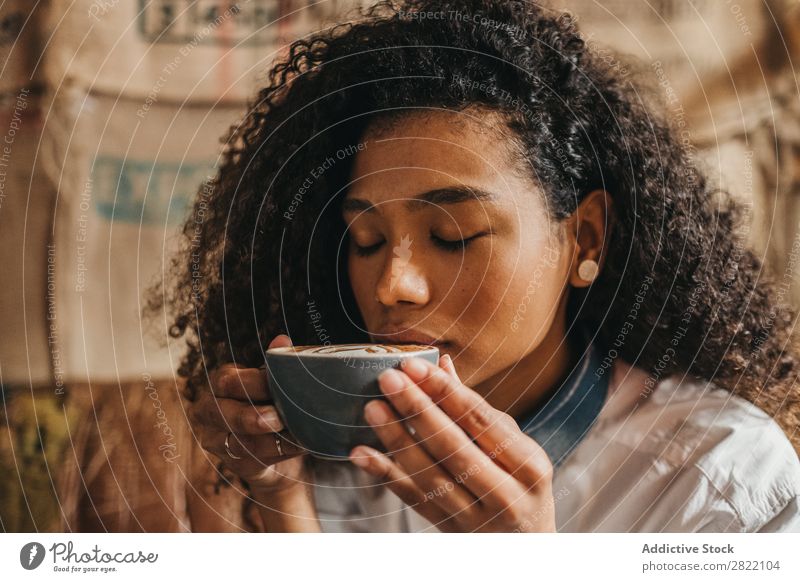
(353, 350)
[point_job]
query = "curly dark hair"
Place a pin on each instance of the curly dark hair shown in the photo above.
(680, 292)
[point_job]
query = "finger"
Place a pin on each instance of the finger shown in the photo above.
(446, 363)
(494, 431)
(398, 481)
(261, 449)
(280, 341)
(254, 460)
(248, 384)
(444, 440)
(241, 383)
(415, 460)
(228, 415)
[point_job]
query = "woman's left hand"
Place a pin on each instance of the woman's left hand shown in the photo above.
(468, 466)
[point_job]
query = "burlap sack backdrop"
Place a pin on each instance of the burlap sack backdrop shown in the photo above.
(32, 429)
(135, 96)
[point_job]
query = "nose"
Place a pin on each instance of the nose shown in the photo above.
(403, 279)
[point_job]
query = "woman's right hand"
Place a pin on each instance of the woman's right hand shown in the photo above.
(238, 404)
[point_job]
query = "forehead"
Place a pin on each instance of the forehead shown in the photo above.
(427, 151)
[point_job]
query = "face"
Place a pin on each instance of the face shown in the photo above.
(450, 242)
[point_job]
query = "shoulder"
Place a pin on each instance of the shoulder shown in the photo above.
(717, 430)
(721, 456)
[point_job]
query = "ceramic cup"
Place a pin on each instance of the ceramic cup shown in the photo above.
(320, 391)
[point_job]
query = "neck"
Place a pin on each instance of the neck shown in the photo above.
(523, 386)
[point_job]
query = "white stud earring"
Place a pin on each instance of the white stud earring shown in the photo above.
(588, 270)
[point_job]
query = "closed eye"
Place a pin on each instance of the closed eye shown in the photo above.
(456, 245)
(368, 250)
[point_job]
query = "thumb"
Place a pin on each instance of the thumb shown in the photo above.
(280, 341)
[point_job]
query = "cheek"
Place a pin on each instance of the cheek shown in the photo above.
(519, 278)
(534, 297)
(511, 308)
(361, 282)
(519, 297)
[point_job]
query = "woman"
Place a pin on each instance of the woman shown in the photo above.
(467, 173)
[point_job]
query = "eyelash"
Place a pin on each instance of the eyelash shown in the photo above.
(366, 251)
(451, 246)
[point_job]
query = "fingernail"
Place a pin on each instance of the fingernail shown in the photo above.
(414, 365)
(447, 359)
(391, 381)
(374, 413)
(270, 420)
(359, 458)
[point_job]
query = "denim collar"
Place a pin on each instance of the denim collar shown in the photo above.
(563, 421)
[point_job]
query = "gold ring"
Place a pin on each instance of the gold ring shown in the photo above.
(228, 447)
(278, 445)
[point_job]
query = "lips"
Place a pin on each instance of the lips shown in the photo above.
(406, 337)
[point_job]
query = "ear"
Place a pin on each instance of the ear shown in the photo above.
(590, 225)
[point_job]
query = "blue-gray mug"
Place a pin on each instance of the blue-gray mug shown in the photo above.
(320, 391)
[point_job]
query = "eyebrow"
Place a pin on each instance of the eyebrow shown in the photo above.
(449, 195)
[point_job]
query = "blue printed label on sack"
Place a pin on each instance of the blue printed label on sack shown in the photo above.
(209, 22)
(146, 192)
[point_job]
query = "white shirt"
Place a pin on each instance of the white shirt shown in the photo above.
(687, 456)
